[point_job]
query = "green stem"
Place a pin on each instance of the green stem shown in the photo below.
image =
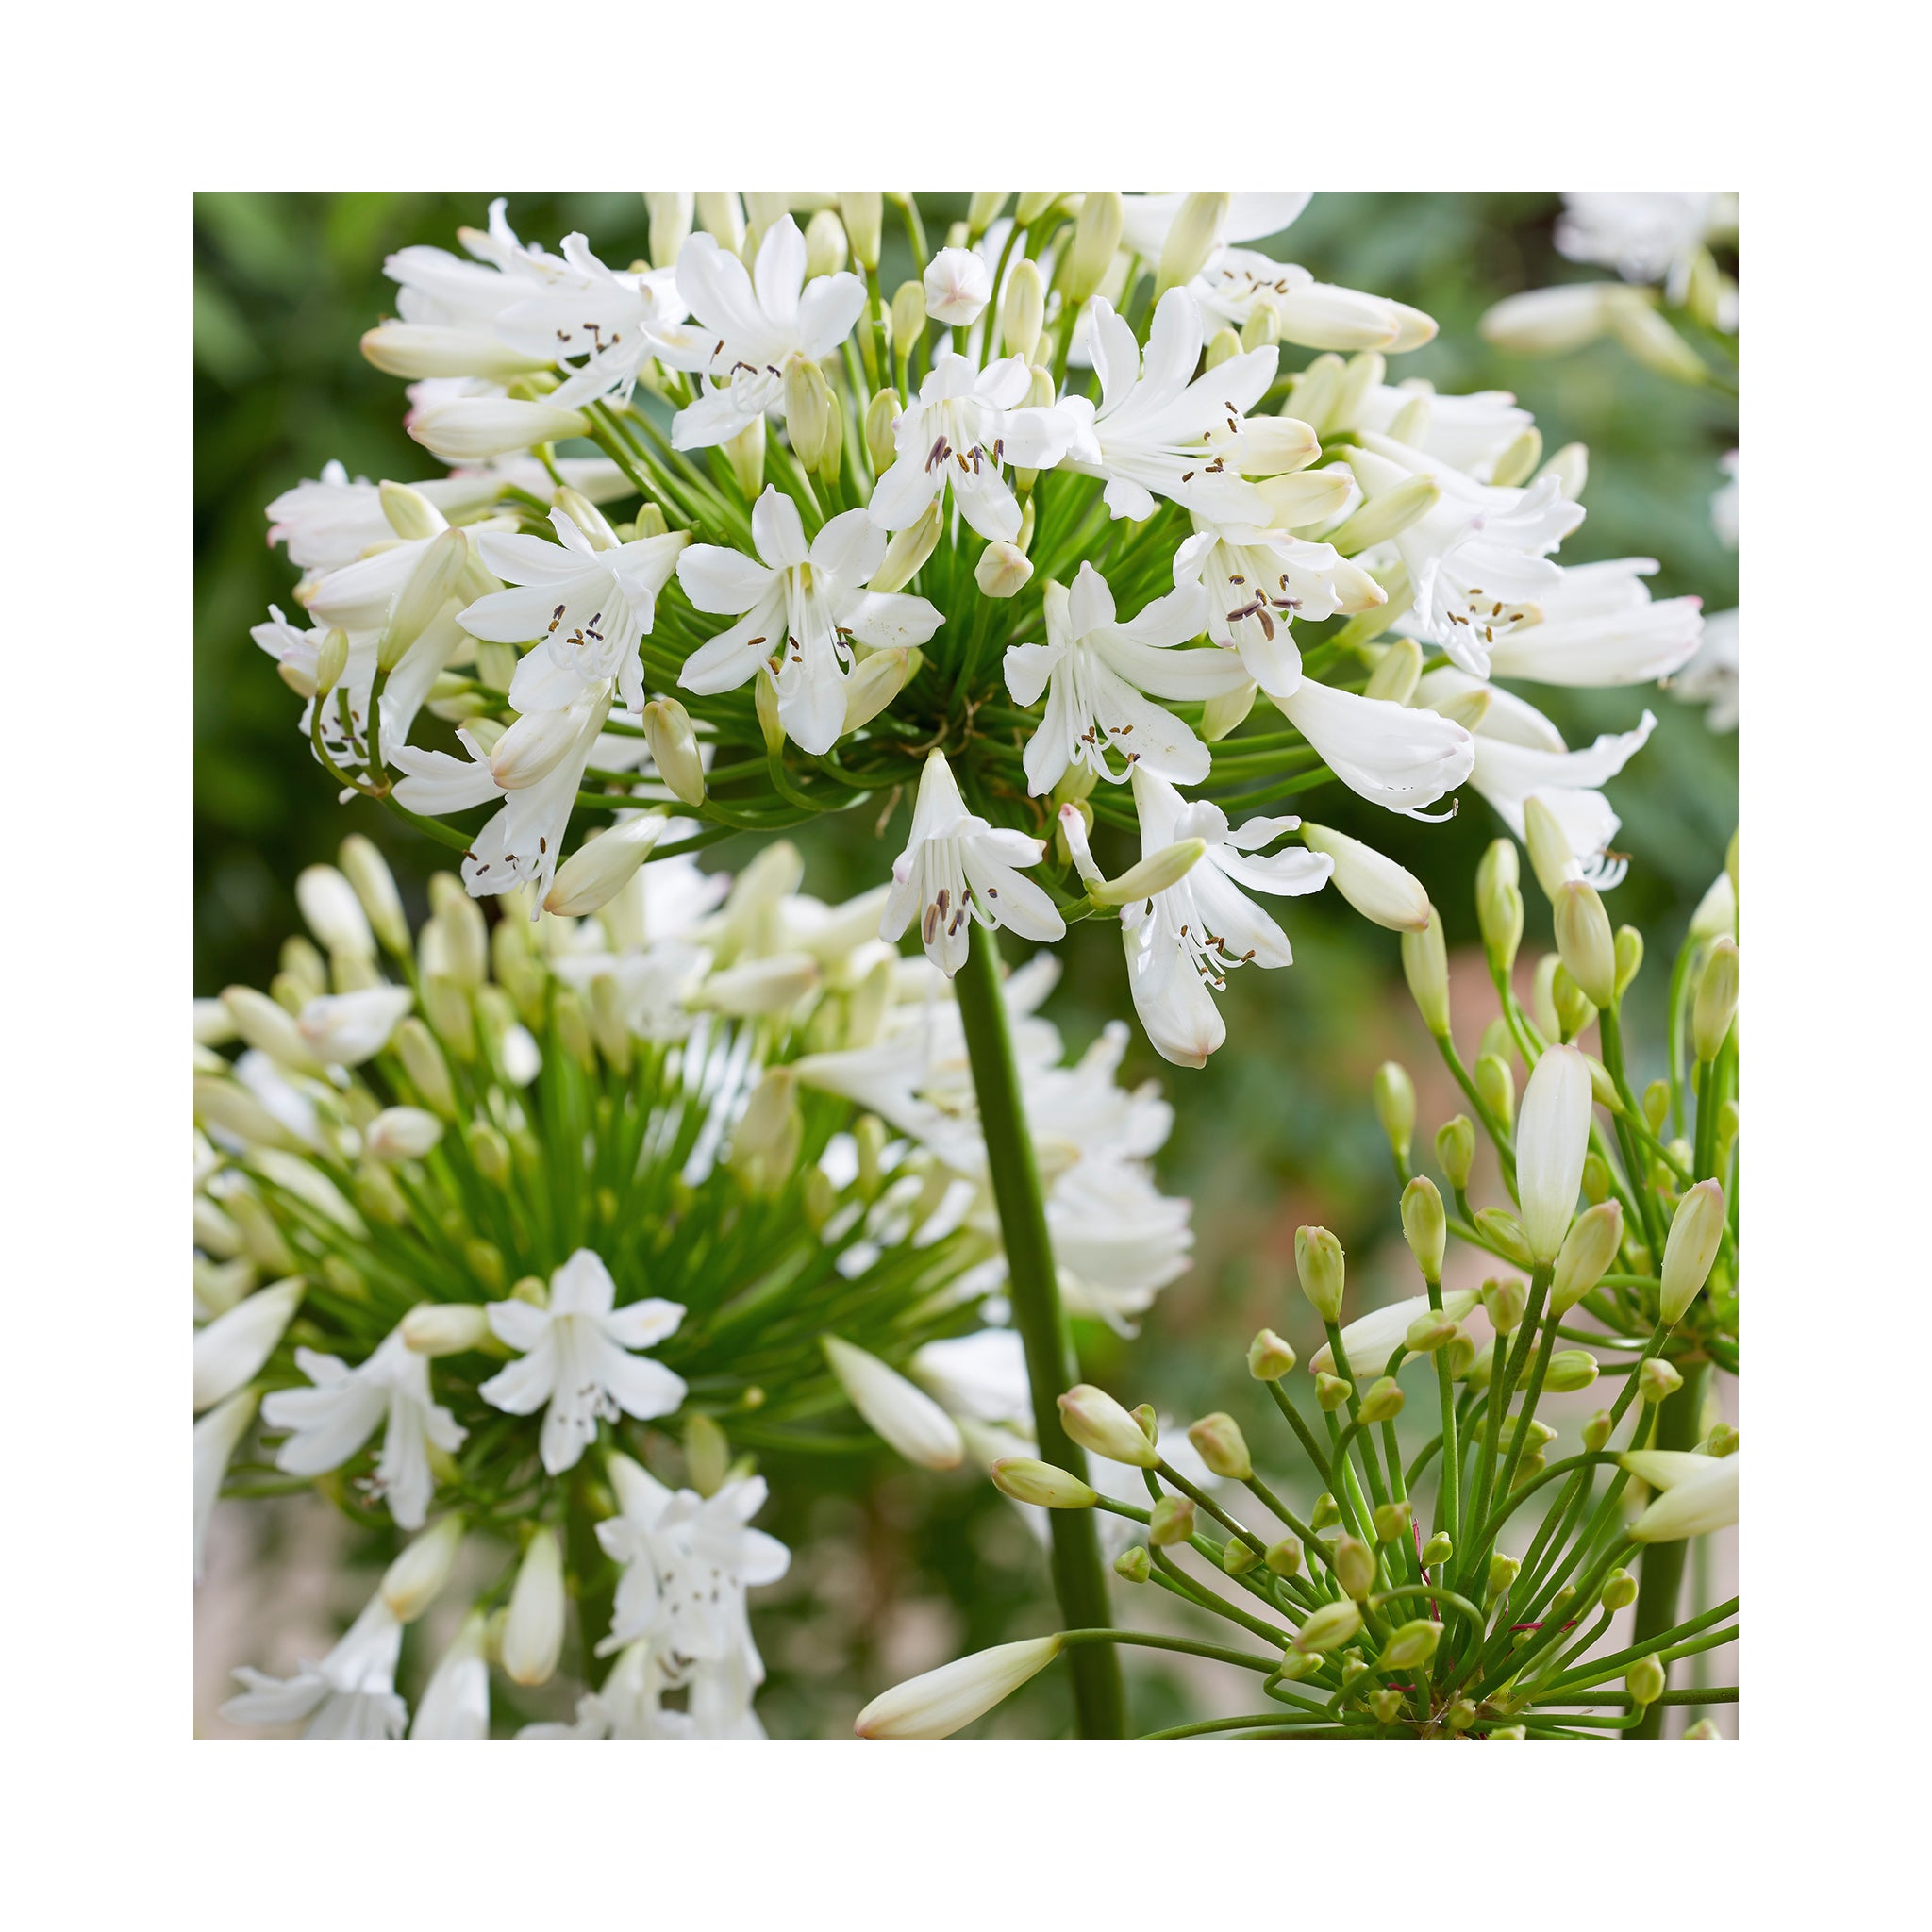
(1662, 1571)
(1079, 1575)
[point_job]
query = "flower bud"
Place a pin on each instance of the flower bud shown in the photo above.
(1190, 239)
(863, 217)
(1425, 1225)
(1571, 1369)
(1550, 1147)
(1154, 873)
(440, 1328)
(1028, 1480)
(1550, 857)
(907, 551)
(1392, 1522)
(907, 316)
(374, 885)
(1171, 1521)
(269, 1029)
(903, 1415)
(1723, 1440)
(1657, 1379)
(674, 748)
(1629, 956)
(670, 218)
(1269, 1357)
(1220, 1444)
(876, 681)
(1412, 1645)
(1495, 1087)
(1238, 1558)
(1284, 1558)
(422, 1061)
(745, 452)
(1456, 1151)
(1222, 346)
(600, 869)
(1383, 1402)
(948, 1699)
(809, 408)
(1386, 514)
(825, 244)
(1503, 1302)
(474, 428)
(958, 286)
(1022, 309)
(1096, 235)
(1596, 1431)
(1003, 571)
(1697, 1230)
(1717, 999)
(1644, 1680)
(1596, 1179)
(1134, 1565)
(1320, 1263)
(1095, 1421)
(401, 1133)
(1329, 1628)
(532, 1639)
(1376, 887)
(1326, 1511)
(1584, 942)
(1650, 339)
(1426, 964)
(1395, 1098)
(1504, 1233)
(1499, 903)
(414, 1581)
(1331, 1392)
(1586, 1253)
(1502, 1577)
(1355, 1566)
(333, 912)
(1438, 1549)
(1548, 322)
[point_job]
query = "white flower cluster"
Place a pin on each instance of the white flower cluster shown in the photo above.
(1036, 407)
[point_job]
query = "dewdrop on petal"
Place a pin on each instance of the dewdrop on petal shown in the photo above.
(1095, 1421)
(903, 1415)
(950, 1698)
(1697, 1230)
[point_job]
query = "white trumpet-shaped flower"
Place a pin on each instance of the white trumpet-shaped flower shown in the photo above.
(1380, 749)
(589, 602)
(956, 868)
(755, 323)
(804, 608)
(350, 1694)
(1182, 944)
(1161, 430)
(331, 1421)
(577, 1361)
(1700, 1493)
(967, 424)
(1097, 675)
(1600, 625)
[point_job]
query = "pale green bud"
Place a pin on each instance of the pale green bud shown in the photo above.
(1425, 1225)
(1329, 1628)
(745, 452)
(432, 581)
(1269, 1357)
(1697, 1230)
(1315, 393)
(1504, 1302)
(1392, 1522)
(532, 1643)
(1028, 1480)
(1096, 235)
(1223, 345)
(1717, 999)
(1499, 903)
(1586, 1254)
(1326, 1511)
(1226, 711)
(413, 1581)
(1583, 940)
(1386, 515)
(1459, 1355)
(1320, 1263)
(1022, 309)
(366, 870)
(1701, 1730)
(1150, 1423)
(908, 550)
(1629, 956)
(440, 1328)
(1571, 1369)
(1426, 964)
(808, 408)
(1504, 1233)
(1723, 1440)
(876, 681)
(1395, 1097)
(1263, 325)
(1134, 1565)
(1596, 1431)
(1657, 1104)
(673, 749)
(1171, 1521)
(1154, 873)
(1331, 1392)
(1237, 1557)
(1220, 1444)
(1438, 1549)
(1650, 339)
(332, 660)
(1383, 1402)
(1386, 1704)
(1518, 462)
(1657, 1379)
(1095, 1421)
(490, 1150)
(909, 316)
(1502, 1577)
(1029, 207)
(1456, 1151)
(1573, 1011)
(1496, 1087)
(1596, 1178)
(881, 414)
(1190, 239)
(862, 216)
(1550, 857)
(1355, 1566)
(1372, 883)
(825, 244)
(422, 1061)
(1412, 1645)
(1285, 1557)
(1397, 672)
(1644, 1680)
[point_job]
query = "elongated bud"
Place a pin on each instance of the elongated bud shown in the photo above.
(1331, 1392)
(401, 1133)
(808, 408)
(1154, 873)
(948, 1699)
(532, 1639)
(1170, 1521)
(1219, 1443)
(1395, 1098)
(902, 1414)
(1697, 1230)
(1499, 903)
(1583, 939)
(1425, 965)
(1717, 1000)
(1550, 857)
(1223, 345)
(1650, 339)
(1269, 1357)
(1096, 235)
(1190, 240)
(1027, 1480)
(440, 1328)
(430, 585)
(415, 1579)
(1425, 1225)
(1569, 1370)
(1003, 571)
(907, 551)
(1387, 515)
(1428, 1332)
(1383, 1402)
(1375, 885)
(1504, 1233)
(1629, 956)
(1320, 1264)
(1022, 309)
(670, 218)
(1586, 1254)
(1396, 676)
(1355, 1566)
(881, 414)
(1548, 322)
(1095, 1421)
(331, 661)
(1573, 1011)
(422, 1061)
(416, 350)
(365, 869)
(1456, 1151)
(597, 871)
(269, 1028)
(825, 244)
(1503, 1302)
(1329, 1628)
(1496, 1088)
(863, 216)
(1596, 1431)
(878, 681)
(907, 316)
(1226, 711)
(474, 428)
(1413, 1644)
(674, 748)
(1700, 1495)
(1550, 1148)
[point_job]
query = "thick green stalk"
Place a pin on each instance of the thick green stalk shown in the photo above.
(1079, 1576)
(1661, 1575)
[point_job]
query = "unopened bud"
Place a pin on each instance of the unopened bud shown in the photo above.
(1329, 1628)
(1425, 1225)
(1373, 884)
(1392, 1522)
(1326, 1511)
(1596, 1431)
(1504, 1302)
(1502, 1577)
(876, 681)
(1284, 1558)
(1386, 515)
(1717, 1000)
(440, 1328)
(1226, 711)
(1331, 1392)
(1022, 309)
(1438, 1549)
(1220, 1444)
(1571, 1369)
(862, 216)
(1003, 571)
(1697, 1230)
(1644, 1680)
(1096, 235)
(1383, 1402)
(907, 551)
(1629, 956)
(1154, 873)
(1355, 1566)
(1657, 1379)
(674, 748)
(1269, 1357)
(907, 316)
(413, 1581)
(1413, 1644)
(1028, 1480)
(533, 1631)
(1499, 903)
(1586, 1254)
(1171, 1521)
(1395, 1097)
(1426, 964)
(1320, 1264)
(1095, 1421)
(592, 875)
(1236, 1556)
(1596, 1178)
(1584, 942)
(1496, 1088)
(1456, 1151)
(1134, 1565)
(808, 408)
(1189, 241)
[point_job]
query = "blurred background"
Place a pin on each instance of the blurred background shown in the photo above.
(896, 1570)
